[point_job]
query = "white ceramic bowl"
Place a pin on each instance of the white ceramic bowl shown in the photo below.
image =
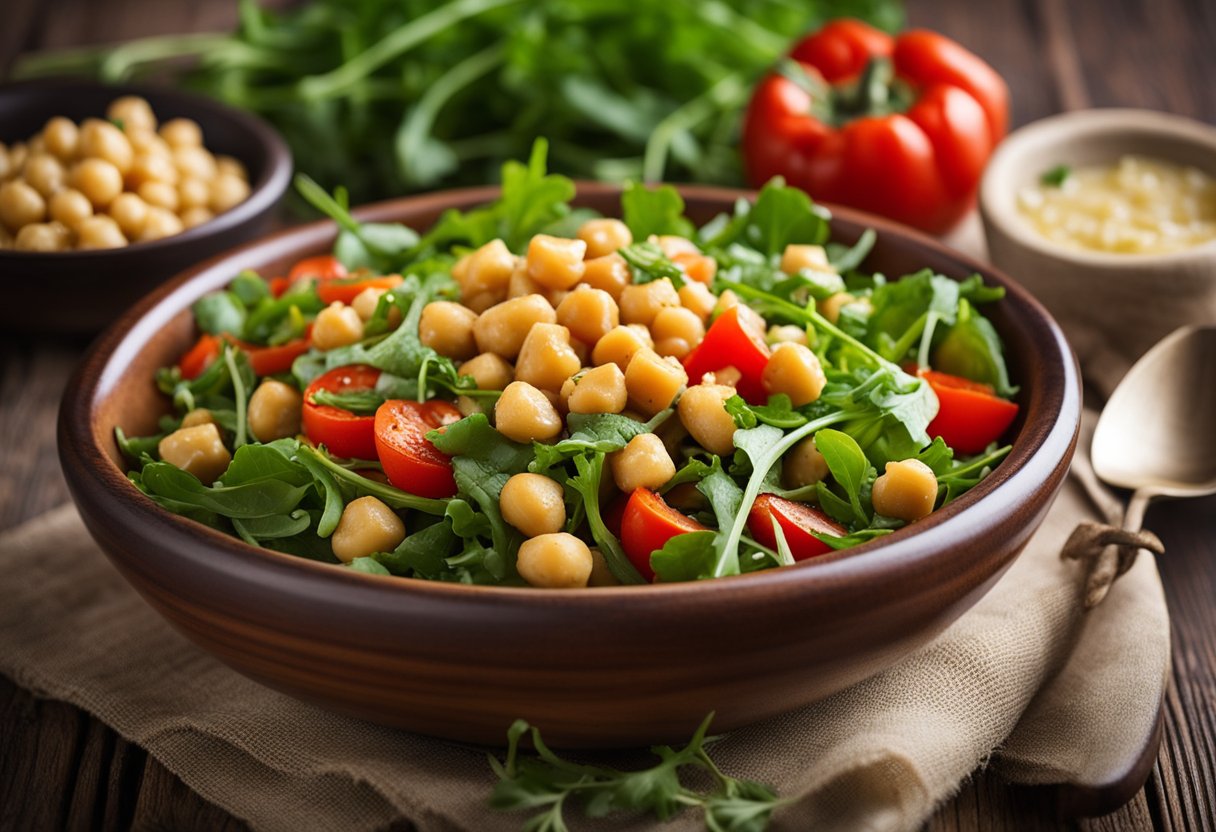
(1132, 300)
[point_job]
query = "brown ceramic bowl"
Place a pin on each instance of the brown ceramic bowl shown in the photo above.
(85, 291)
(602, 667)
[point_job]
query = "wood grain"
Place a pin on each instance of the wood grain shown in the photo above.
(1150, 54)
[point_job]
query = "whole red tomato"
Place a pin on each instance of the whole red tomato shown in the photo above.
(898, 126)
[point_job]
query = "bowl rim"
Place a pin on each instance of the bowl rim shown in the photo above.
(907, 552)
(264, 192)
(1081, 126)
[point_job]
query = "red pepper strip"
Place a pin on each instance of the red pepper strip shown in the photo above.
(970, 416)
(733, 340)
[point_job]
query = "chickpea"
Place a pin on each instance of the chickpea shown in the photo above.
(148, 143)
(447, 328)
(588, 313)
(131, 214)
(274, 411)
(643, 463)
(99, 231)
(697, 298)
(159, 194)
(70, 207)
(367, 526)
(906, 491)
(555, 561)
(155, 168)
(61, 136)
(601, 390)
(134, 112)
(620, 345)
(490, 371)
(555, 262)
(534, 504)
(159, 223)
(604, 237)
(43, 236)
(673, 245)
(787, 333)
(546, 358)
(503, 327)
(197, 216)
(641, 303)
(196, 417)
(488, 269)
(610, 273)
(5, 167)
(365, 302)
(17, 155)
(182, 132)
(728, 375)
(97, 179)
(601, 575)
(193, 161)
(653, 382)
(676, 322)
(227, 192)
(192, 193)
(197, 450)
(44, 174)
(520, 284)
(231, 166)
(337, 325)
(803, 465)
(794, 370)
(102, 140)
(702, 411)
(830, 307)
(795, 258)
(20, 205)
(525, 414)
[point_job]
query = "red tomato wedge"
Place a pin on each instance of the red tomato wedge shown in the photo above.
(278, 285)
(346, 291)
(410, 461)
(267, 361)
(199, 357)
(797, 521)
(733, 340)
(971, 416)
(345, 434)
(648, 523)
(322, 267)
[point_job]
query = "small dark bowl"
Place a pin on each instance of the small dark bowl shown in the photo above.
(84, 291)
(596, 667)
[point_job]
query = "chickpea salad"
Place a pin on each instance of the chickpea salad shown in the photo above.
(530, 394)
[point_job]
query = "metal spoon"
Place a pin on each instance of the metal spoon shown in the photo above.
(1157, 433)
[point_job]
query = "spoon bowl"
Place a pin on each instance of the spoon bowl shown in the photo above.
(1155, 435)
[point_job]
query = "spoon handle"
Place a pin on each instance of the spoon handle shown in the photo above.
(1133, 516)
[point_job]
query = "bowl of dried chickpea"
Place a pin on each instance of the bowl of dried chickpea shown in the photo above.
(105, 191)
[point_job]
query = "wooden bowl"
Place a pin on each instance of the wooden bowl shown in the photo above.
(85, 291)
(593, 668)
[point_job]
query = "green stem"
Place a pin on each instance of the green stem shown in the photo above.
(238, 394)
(418, 123)
(114, 62)
(727, 92)
(397, 43)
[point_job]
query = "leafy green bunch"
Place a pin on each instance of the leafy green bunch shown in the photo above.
(390, 96)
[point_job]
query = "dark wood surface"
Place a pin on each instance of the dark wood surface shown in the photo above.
(59, 768)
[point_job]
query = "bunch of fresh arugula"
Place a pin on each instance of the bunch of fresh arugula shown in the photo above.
(288, 496)
(388, 96)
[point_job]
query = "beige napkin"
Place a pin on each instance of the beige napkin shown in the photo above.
(878, 756)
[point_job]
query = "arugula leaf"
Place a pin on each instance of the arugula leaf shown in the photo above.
(358, 402)
(783, 216)
(972, 349)
(249, 288)
(360, 486)
(846, 259)
(592, 433)
(369, 566)
(658, 210)
(220, 312)
(423, 554)
(848, 465)
(685, 557)
(1055, 177)
(649, 263)
(258, 498)
(273, 526)
(587, 484)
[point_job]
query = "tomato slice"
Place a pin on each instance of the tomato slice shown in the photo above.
(346, 291)
(345, 434)
(970, 416)
(199, 357)
(797, 521)
(279, 285)
(410, 461)
(648, 523)
(267, 361)
(733, 340)
(322, 267)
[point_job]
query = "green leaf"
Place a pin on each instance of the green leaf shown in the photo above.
(685, 557)
(592, 433)
(423, 553)
(1055, 177)
(783, 216)
(972, 349)
(658, 210)
(368, 566)
(249, 288)
(848, 465)
(361, 486)
(587, 484)
(260, 498)
(649, 263)
(274, 526)
(220, 312)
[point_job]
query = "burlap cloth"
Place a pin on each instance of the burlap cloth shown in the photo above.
(1027, 681)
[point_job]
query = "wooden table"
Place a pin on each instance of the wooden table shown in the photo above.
(61, 768)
